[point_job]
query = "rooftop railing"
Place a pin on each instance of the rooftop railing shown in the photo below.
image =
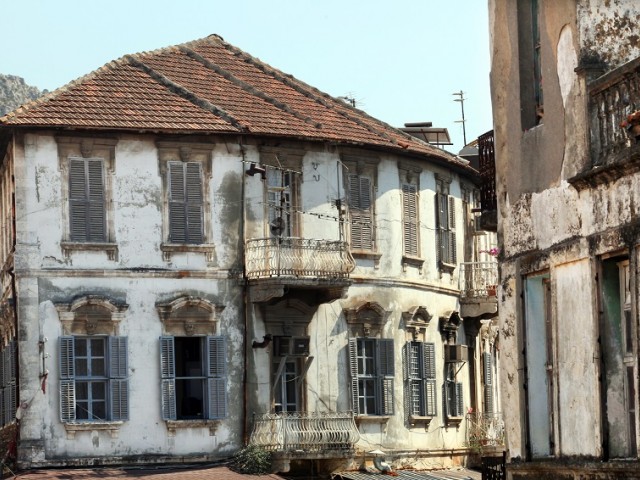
(299, 258)
(300, 433)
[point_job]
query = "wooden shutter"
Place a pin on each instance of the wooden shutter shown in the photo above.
(385, 372)
(168, 378)
(410, 219)
(429, 371)
(177, 203)
(452, 234)
(195, 201)
(217, 378)
(87, 209)
(353, 369)
(361, 212)
(487, 362)
(118, 378)
(67, 379)
(459, 403)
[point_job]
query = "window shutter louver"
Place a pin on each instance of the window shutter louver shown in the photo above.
(386, 371)
(167, 372)
(488, 399)
(96, 220)
(407, 357)
(217, 381)
(177, 203)
(430, 360)
(452, 248)
(387, 396)
(67, 379)
(119, 383)
(194, 197)
(361, 212)
(67, 358)
(78, 207)
(487, 362)
(459, 404)
(353, 368)
(410, 219)
(430, 398)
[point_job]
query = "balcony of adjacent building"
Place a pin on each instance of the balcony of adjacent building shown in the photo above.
(485, 431)
(306, 435)
(488, 218)
(614, 124)
(307, 267)
(478, 284)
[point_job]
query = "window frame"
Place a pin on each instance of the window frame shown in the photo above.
(86, 149)
(380, 351)
(170, 154)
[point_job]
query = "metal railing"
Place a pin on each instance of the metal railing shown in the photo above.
(478, 279)
(486, 153)
(612, 97)
(485, 430)
(298, 257)
(305, 432)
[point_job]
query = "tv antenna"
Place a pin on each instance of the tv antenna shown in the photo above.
(463, 121)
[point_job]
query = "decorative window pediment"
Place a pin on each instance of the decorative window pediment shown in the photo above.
(187, 315)
(91, 315)
(449, 324)
(416, 320)
(369, 316)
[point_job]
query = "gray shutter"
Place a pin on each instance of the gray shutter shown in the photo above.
(386, 371)
(195, 199)
(488, 382)
(67, 379)
(217, 381)
(168, 380)
(407, 356)
(429, 359)
(452, 234)
(410, 219)
(78, 206)
(118, 382)
(459, 405)
(366, 215)
(96, 201)
(355, 212)
(431, 409)
(177, 203)
(9, 394)
(439, 227)
(353, 368)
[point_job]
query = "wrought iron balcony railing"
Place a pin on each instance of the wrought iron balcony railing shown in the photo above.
(301, 433)
(478, 279)
(612, 97)
(485, 430)
(298, 258)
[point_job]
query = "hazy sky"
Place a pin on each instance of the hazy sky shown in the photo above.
(401, 60)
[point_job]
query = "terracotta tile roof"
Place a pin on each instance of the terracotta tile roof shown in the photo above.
(159, 473)
(210, 86)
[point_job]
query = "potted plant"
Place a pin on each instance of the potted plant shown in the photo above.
(631, 124)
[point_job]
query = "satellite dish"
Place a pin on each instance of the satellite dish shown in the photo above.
(277, 226)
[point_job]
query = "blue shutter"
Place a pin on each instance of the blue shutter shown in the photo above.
(118, 382)
(217, 379)
(353, 369)
(177, 203)
(168, 380)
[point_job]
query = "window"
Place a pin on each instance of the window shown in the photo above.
(281, 194)
(186, 172)
(8, 383)
(287, 393)
(453, 393)
(410, 219)
(194, 378)
(420, 378)
(445, 227)
(87, 169)
(185, 202)
(372, 370)
(531, 98)
(93, 378)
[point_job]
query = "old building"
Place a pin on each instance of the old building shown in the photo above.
(201, 252)
(564, 89)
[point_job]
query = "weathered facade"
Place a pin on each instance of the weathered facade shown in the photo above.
(210, 253)
(564, 81)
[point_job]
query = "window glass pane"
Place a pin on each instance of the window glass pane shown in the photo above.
(188, 357)
(98, 391)
(97, 347)
(190, 395)
(97, 367)
(99, 410)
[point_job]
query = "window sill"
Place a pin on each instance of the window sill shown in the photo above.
(419, 420)
(368, 255)
(447, 267)
(173, 425)
(110, 248)
(412, 261)
(372, 419)
(168, 249)
(454, 421)
(73, 427)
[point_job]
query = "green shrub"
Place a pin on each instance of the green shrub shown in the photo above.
(252, 459)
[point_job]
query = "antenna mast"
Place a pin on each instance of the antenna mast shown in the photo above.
(463, 121)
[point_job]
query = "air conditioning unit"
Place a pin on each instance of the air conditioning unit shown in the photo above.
(291, 346)
(456, 353)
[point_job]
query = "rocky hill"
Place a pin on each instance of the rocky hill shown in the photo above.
(15, 92)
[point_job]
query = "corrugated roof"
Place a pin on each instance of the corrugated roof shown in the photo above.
(210, 86)
(451, 474)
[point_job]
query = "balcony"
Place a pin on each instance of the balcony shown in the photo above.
(302, 435)
(488, 201)
(614, 151)
(485, 430)
(297, 263)
(478, 283)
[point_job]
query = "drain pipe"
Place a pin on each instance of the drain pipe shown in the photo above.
(245, 299)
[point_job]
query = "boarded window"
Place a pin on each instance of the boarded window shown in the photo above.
(186, 202)
(371, 364)
(87, 211)
(193, 378)
(93, 379)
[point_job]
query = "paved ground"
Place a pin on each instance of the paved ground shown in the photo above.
(158, 473)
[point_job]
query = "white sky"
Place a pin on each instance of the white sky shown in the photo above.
(401, 60)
